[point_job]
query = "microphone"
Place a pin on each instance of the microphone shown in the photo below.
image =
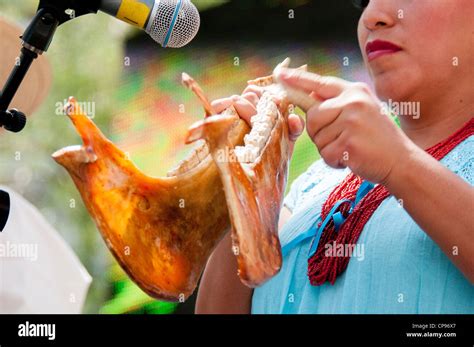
(171, 23)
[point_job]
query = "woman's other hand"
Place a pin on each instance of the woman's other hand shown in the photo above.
(348, 125)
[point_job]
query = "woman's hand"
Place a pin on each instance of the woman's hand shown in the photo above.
(221, 269)
(348, 126)
(246, 104)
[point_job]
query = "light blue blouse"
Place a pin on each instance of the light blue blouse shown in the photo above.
(397, 267)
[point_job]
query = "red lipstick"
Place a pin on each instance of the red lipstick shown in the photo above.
(379, 48)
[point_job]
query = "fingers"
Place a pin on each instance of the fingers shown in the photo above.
(295, 126)
(328, 134)
(254, 89)
(301, 99)
(258, 91)
(320, 116)
(324, 86)
(245, 106)
(334, 153)
(219, 105)
(252, 97)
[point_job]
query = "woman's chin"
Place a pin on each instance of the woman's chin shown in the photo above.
(392, 86)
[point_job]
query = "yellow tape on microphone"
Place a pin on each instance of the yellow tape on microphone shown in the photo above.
(135, 12)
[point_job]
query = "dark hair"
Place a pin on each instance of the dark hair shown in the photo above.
(360, 4)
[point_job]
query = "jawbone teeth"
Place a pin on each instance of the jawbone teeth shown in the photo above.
(262, 125)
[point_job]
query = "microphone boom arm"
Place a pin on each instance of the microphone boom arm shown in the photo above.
(36, 40)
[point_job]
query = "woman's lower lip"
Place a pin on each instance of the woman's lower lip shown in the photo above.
(376, 54)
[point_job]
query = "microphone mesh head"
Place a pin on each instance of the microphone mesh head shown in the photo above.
(174, 23)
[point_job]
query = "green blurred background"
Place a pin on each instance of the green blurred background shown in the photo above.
(134, 85)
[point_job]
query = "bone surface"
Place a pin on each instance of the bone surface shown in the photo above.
(254, 179)
(162, 230)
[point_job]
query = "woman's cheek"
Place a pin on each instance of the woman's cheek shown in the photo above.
(439, 43)
(443, 30)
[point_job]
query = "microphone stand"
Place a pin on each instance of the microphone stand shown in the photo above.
(35, 41)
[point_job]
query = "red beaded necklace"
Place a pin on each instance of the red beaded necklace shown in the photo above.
(322, 268)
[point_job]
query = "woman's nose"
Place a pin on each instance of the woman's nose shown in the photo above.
(379, 14)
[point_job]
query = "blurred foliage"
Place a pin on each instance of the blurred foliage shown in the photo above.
(128, 298)
(203, 5)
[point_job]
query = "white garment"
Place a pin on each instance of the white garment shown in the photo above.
(39, 272)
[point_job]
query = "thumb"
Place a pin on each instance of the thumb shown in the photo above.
(295, 126)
